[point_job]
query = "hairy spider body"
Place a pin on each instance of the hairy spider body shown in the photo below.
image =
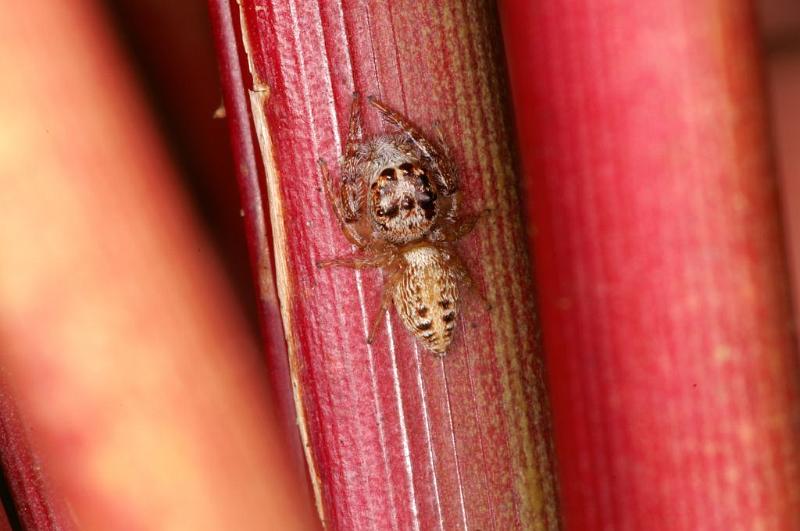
(397, 201)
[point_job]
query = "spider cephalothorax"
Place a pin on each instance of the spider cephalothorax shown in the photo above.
(397, 201)
(402, 202)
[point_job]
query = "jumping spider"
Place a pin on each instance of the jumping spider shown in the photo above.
(397, 201)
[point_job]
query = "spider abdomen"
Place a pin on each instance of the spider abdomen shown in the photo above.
(426, 297)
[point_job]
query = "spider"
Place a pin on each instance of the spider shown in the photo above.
(397, 201)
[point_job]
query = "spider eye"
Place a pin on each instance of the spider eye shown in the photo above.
(380, 211)
(389, 173)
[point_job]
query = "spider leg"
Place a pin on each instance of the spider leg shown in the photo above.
(464, 225)
(345, 216)
(357, 261)
(438, 157)
(467, 280)
(446, 164)
(355, 130)
(437, 126)
(386, 298)
(353, 190)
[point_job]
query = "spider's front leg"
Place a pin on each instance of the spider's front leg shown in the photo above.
(347, 218)
(348, 196)
(438, 157)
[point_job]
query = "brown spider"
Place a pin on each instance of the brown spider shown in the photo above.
(397, 201)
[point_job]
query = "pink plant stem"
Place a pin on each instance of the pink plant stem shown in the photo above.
(34, 503)
(395, 438)
(659, 262)
(255, 218)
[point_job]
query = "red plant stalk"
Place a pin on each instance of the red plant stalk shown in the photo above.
(249, 173)
(395, 438)
(35, 506)
(659, 262)
(125, 352)
(784, 69)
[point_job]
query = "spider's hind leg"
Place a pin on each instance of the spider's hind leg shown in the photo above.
(467, 280)
(357, 261)
(386, 298)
